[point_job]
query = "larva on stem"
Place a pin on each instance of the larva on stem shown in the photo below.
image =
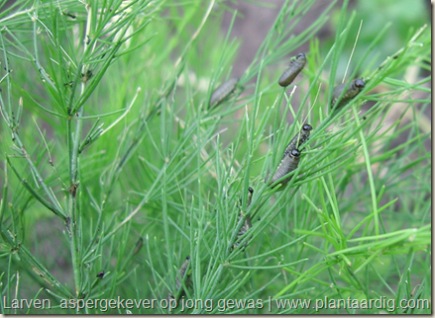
(247, 224)
(181, 276)
(297, 63)
(341, 97)
(223, 91)
(299, 139)
(288, 164)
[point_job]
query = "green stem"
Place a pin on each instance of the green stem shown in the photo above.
(74, 146)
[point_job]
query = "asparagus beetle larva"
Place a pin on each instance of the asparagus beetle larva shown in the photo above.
(288, 164)
(340, 98)
(247, 223)
(223, 91)
(297, 63)
(182, 276)
(299, 139)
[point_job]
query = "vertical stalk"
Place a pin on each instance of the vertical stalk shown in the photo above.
(73, 145)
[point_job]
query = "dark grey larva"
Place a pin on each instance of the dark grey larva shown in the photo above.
(299, 139)
(297, 63)
(245, 227)
(223, 91)
(343, 98)
(182, 272)
(181, 276)
(247, 224)
(288, 164)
